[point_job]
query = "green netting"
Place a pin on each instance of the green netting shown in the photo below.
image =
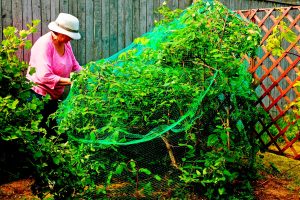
(172, 111)
(159, 82)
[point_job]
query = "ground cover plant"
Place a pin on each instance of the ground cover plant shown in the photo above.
(169, 116)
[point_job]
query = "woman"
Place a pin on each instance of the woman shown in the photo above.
(53, 60)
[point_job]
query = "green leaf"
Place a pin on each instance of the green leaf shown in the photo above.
(12, 137)
(109, 177)
(33, 106)
(212, 140)
(240, 125)
(44, 165)
(278, 51)
(93, 136)
(28, 45)
(23, 33)
(35, 22)
(224, 138)
(157, 177)
(221, 97)
(14, 104)
(221, 191)
(144, 170)
(290, 36)
(132, 164)
(119, 169)
(56, 160)
(226, 172)
(32, 70)
(38, 154)
(9, 31)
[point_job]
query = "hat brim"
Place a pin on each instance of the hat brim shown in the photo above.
(53, 27)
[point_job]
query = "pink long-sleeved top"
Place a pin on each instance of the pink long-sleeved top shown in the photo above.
(50, 66)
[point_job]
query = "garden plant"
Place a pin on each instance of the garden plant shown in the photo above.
(19, 116)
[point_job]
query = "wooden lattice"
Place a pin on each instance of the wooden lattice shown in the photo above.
(276, 77)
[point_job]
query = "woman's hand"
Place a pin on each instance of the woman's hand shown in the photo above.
(64, 81)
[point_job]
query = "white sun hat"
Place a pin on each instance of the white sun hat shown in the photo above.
(66, 24)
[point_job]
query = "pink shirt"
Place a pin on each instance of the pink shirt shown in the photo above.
(50, 66)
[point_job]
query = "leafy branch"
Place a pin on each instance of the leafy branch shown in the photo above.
(280, 33)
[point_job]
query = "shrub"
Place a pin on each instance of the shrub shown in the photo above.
(19, 117)
(174, 109)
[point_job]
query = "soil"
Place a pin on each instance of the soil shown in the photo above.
(20, 189)
(282, 182)
(273, 188)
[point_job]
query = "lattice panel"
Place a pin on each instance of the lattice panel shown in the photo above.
(275, 77)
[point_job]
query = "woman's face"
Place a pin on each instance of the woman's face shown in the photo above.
(61, 38)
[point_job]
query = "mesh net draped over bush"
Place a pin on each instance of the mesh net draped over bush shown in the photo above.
(159, 82)
(176, 95)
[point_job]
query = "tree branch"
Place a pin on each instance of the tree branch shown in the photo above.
(168, 146)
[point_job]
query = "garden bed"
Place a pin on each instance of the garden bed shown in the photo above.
(283, 182)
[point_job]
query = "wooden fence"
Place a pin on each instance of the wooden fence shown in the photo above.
(276, 77)
(107, 26)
